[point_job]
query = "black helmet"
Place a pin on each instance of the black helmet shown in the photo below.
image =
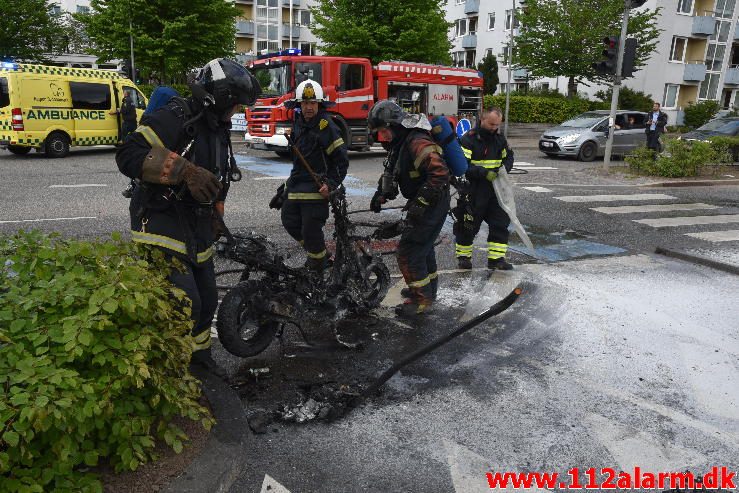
(224, 83)
(384, 114)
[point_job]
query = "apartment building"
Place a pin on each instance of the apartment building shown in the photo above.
(271, 25)
(696, 57)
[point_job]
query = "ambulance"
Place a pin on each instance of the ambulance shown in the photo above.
(51, 108)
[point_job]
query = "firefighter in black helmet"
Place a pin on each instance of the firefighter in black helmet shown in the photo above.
(183, 160)
(416, 166)
(314, 136)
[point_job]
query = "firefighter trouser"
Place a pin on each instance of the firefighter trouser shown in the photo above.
(304, 221)
(198, 281)
(416, 256)
(498, 223)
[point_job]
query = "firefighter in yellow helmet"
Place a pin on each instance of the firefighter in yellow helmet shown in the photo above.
(319, 141)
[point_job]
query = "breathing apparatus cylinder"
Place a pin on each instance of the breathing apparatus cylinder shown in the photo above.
(444, 135)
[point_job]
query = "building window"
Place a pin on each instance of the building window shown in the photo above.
(491, 21)
(263, 44)
(685, 7)
(489, 51)
(301, 17)
(472, 25)
(508, 15)
(460, 27)
(715, 57)
(458, 58)
(83, 9)
(308, 48)
(469, 59)
(460, 2)
(725, 8)
(503, 57)
(671, 93)
(709, 87)
(55, 10)
(677, 51)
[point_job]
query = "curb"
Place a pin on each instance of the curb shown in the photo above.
(704, 183)
(221, 461)
(695, 259)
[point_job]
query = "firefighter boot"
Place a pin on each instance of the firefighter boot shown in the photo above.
(407, 293)
(417, 305)
(464, 263)
(499, 264)
(203, 360)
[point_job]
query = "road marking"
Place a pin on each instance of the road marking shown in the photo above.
(614, 198)
(272, 177)
(664, 222)
(81, 185)
(269, 485)
(534, 167)
(715, 236)
(538, 189)
(48, 219)
(629, 209)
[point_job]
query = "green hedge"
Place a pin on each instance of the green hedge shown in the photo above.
(94, 354)
(680, 158)
(533, 109)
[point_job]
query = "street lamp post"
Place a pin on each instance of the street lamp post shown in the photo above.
(510, 68)
(617, 84)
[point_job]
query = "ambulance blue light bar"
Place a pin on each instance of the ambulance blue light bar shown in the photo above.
(9, 66)
(289, 51)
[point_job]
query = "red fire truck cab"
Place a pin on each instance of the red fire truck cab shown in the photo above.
(355, 85)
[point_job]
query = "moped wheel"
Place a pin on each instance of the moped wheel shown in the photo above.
(377, 285)
(238, 327)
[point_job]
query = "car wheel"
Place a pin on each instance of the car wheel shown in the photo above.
(19, 150)
(57, 145)
(588, 151)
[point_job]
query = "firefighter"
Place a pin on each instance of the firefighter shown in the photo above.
(182, 157)
(415, 162)
(316, 138)
(486, 151)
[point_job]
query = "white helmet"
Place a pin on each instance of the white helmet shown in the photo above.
(308, 90)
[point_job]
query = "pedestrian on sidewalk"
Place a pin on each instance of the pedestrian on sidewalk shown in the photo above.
(656, 122)
(486, 150)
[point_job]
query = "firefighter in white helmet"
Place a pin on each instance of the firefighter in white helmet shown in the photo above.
(319, 141)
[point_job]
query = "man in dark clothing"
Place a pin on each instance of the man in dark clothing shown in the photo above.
(486, 151)
(656, 122)
(415, 163)
(128, 115)
(182, 157)
(318, 140)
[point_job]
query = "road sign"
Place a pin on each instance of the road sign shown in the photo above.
(463, 126)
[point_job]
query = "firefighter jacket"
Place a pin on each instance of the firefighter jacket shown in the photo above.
(321, 144)
(418, 162)
(486, 152)
(168, 217)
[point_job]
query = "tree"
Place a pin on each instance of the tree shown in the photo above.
(412, 30)
(562, 37)
(489, 68)
(628, 99)
(169, 36)
(27, 30)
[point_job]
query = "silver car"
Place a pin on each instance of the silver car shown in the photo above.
(584, 137)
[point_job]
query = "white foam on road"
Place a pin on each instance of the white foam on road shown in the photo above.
(538, 189)
(81, 185)
(48, 219)
(614, 198)
(716, 236)
(271, 178)
(630, 209)
(269, 485)
(665, 222)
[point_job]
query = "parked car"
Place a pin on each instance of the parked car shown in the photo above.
(584, 137)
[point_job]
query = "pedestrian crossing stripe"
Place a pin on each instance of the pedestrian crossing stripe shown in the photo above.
(664, 222)
(716, 236)
(631, 209)
(615, 198)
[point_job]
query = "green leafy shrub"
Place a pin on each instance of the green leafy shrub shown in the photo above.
(698, 114)
(727, 146)
(628, 99)
(94, 353)
(680, 158)
(677, 129)
(532, 109)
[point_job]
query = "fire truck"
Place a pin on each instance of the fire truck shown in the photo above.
(355, 85)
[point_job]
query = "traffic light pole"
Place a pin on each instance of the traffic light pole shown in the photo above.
(616, 85)
(510, 68)
(130, 37)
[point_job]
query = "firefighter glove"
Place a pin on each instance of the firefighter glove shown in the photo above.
(278, 199)
(165, 167)
(491, 176)
(416, 209)
(203, 185)
(377, 200)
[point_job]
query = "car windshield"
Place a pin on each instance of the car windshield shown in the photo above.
(586, 120)
(274, 79)
(728, 127)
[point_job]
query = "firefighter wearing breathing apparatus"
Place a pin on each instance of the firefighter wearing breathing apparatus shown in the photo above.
(304, 197)
(415, 166)
(182, 158)
(486, 151)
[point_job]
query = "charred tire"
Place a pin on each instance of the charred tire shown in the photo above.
(239, 332)
(57, 145)
(19, 150)
(379, 276)
(588, 151)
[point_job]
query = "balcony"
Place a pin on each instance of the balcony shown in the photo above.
(695, 71)
(732, 76)
(469, 41)
(286, 31)
(286, 3)
(244, 28)
(520, 73)
(471, 6)
(704, 24)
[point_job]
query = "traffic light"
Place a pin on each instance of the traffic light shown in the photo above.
(627, 69)
(126, 69)
(607, 66)
(137, 79)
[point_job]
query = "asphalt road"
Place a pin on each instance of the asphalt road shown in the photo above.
(613, 357)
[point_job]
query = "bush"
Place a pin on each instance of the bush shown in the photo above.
(94, 353)
(539, 92)
(680, 158)
(728, 146)
(698, 114)
(677, 129)
(532, 109)
(628, 99)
